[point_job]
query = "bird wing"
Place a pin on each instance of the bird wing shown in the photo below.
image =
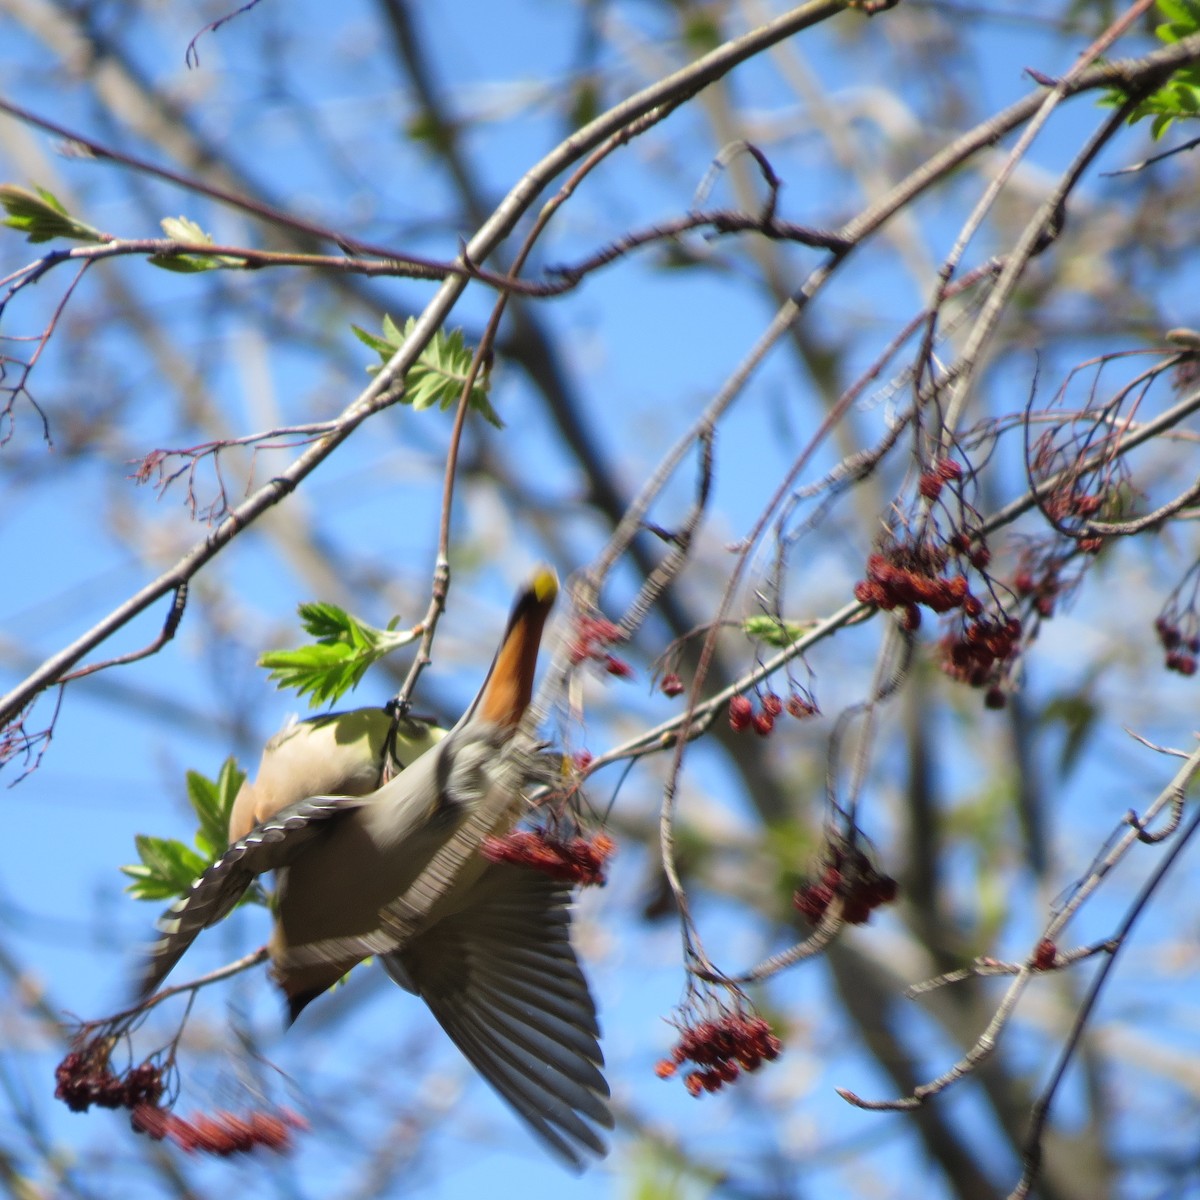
(267, 847)
(336, 754)
(502, 980)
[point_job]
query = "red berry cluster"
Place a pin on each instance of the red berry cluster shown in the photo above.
(940, 473)
(910, 574)
(850, 875)
(973, 548)
(85, 1078)
(575, 860)
(977, 654)
(1041, 584)
(742, 713)
(1044, 954)
(1181, 647)
(722, 1049)
(1074, 502)
(593, 636)
(223, 1133)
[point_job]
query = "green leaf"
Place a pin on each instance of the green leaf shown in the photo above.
(1184, 13)
(345, 648)
(392, 332)
(1187, 96)
(773, 631)
(585, 103)
(41, 216)
(436, 379)
(168, 868)
(1179, 97)
(183, 229)
(381, 346)
(184, 264)
(212, 802)
(328, 622)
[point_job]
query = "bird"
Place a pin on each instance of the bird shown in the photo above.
(350, 810)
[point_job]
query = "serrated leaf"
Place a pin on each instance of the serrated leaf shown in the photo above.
(320, 672)
(345, 648)
(392, 333)
(202, 795)
(326, 622)
(41, 216)
(168, 868)
(145, 885)
(212, 802)
(773, 631)
(381, 346)
(483, 406)
(436, 379)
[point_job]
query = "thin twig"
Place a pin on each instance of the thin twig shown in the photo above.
(987, 1040)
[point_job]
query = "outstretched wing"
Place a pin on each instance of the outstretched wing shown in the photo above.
(267, 847)
(502, 980)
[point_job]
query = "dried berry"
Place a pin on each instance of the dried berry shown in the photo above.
(721, 1049)
(576, 860)
(671, 685)
(592, 635)
(800, 706)
(851, 876)
(763, 723)
(1044, 954)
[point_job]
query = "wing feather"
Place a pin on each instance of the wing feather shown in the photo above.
(502, 980)
(267, 847)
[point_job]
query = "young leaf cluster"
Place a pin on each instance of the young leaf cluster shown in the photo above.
(1179, 97)
(182, 229)
(345, 647)
(168, 868)
(437, 377)
(41, 217)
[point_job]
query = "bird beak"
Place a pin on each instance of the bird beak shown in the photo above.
(508, 688)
